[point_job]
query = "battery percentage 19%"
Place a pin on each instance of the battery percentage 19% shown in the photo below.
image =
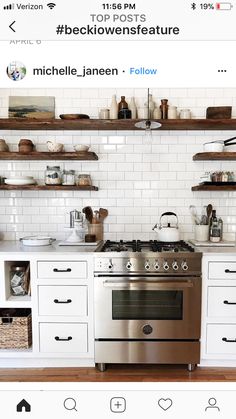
(203, 6)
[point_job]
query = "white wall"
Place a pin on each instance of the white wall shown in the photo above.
(138, 178)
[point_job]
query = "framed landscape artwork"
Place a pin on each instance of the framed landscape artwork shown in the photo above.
(37, 107)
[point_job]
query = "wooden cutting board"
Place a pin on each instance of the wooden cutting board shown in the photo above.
(219, 112)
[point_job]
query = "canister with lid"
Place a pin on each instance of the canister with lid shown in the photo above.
(53, 175)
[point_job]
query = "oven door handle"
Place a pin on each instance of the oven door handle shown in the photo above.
(152, 285)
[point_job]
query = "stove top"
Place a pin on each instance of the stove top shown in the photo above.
(146, 246)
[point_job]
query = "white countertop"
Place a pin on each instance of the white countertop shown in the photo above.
(18, 247)
(216, 250)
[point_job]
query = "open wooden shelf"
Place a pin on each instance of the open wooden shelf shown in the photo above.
(37, 155)
(47, 188)
(224, 155)
(115, 125)
(214, 188)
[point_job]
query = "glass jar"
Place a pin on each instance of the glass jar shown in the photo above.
(84, 180)
(68, 177)
(185, 114)
(17, 280)
(53, 175)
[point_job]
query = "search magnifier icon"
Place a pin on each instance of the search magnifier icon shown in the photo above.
(70, 404)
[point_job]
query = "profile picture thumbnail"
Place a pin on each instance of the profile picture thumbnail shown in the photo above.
(16, 70)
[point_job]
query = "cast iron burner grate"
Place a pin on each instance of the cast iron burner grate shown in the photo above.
(146, 246)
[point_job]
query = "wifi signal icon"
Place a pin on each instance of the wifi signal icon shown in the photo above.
(51, 5)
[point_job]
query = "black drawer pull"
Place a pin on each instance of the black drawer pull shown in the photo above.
(228, 271)
(62, 301)
(63, 339)
(62, 270)
(229, 340)
(227, 302)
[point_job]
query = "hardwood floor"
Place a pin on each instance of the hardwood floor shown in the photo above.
(119, 373)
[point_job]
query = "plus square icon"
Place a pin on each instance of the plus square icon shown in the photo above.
(118, 405)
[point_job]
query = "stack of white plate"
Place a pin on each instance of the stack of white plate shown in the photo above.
(20, 180)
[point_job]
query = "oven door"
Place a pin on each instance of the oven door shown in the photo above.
(147, 308)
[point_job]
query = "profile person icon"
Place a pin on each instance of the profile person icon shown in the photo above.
(212, 405)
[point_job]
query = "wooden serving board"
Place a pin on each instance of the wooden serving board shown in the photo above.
(219, 112)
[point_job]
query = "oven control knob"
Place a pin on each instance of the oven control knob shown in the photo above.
(110, 265)
(184, 265)
(147, 329)
(156, 266)
(166, 266)
(128, 265)
(175, 266)
(147, 265)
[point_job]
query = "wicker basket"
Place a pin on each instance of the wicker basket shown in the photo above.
(15, 328)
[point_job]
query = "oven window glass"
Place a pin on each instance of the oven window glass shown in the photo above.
(149, 305)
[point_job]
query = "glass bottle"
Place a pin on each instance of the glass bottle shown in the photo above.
(133, 108)
(122, 104)
(151, 105)
(123, 111)
(114, 108)
(220, 222)
(164, 108)
(214, 228)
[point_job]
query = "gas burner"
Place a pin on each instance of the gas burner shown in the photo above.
(174, 247)
(120, 246)
(146, 246)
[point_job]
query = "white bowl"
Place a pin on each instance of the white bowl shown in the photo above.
(20, 182)
(21, 178)
(214, 146)
(55, 147)
(81, 147)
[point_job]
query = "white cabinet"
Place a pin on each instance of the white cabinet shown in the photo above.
(222, 270)
(68, 300)
(62, 269)
(63, 338)
(218, 341)
(65, 308)
(221, 302)
(221, 339)
(61, 303)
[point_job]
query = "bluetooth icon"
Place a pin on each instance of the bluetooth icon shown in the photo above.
(193, 6)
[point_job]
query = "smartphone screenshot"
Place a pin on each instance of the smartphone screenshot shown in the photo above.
(117, 209)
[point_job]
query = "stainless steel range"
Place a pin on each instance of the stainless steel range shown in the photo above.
(147, 303)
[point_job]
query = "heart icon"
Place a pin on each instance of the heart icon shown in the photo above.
(165, 404)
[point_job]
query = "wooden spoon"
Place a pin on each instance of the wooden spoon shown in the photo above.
(88, 213)
(103, 213)
(209, 211)
(96, 218)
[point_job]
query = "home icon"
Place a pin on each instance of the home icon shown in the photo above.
(23, 406)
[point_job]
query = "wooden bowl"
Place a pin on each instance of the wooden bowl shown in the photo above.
(71, 116)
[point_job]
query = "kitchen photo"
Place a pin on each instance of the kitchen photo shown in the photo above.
(118, 234)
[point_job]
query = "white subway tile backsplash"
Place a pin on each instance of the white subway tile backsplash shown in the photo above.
(138, 177)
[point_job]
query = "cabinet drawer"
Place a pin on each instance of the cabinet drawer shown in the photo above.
(221, 302)
(221, 339)
(62, 269)
(63, 337)
(63, 300)
(222, 270)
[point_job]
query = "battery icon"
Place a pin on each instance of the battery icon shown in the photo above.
(224, 6)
